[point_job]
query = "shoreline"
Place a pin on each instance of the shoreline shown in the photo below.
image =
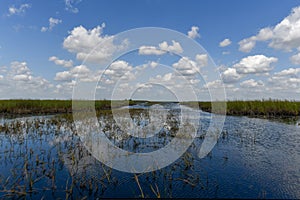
(266, 109)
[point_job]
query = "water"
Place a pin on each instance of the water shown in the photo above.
(43, 157)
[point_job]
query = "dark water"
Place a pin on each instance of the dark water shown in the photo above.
(43, 157)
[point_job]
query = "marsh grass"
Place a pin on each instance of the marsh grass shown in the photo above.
(256, 108)
(261, 108)
(27, 106)
(38, 151)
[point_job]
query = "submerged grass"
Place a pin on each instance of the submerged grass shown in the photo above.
(50, 161)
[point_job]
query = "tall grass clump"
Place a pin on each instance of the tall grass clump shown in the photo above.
(268, 108)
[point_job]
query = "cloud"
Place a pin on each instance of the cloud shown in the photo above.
(251, 83)
(91, 45)
(264, 34)
(19, 71)
(186, 67)
(69, 5)
(225, 52)
(150, 50)
(22, 77)
(226, 42)
(18, 68)
(153, 64)
(286, 79)
(288, 72)
(52, 23)
(65, 88)
(193, 33)
(174, 48)
(174, 82)
(12, 10)
(118, 67)
(285, 35)
(166, 78)
(230, 75)
(246, 45)
(81, 71)
(295, 59)
(22, 83)
(218, 84)
(119, 70)
(162, 48)
(63, 76)
(255, 64)
(201, 59)
(64, 63)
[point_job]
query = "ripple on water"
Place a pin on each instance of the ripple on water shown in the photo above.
(254, 158)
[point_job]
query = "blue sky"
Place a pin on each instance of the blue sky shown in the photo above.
(36, 61)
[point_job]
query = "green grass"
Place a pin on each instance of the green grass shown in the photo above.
(27, 106)
(18, 106)
(268, 108)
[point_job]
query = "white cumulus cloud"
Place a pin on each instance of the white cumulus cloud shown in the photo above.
(63, 76)
(186, 67)
(194, 32)
(226, 42)
(57, 61)
(255, 64)
(81, 71)
(150, 50)
(288, 72)
(175, 47)
(246, 45)
(92, 45)
(22, 83)
(162, 48)
(119, 69)
(201, 59)
(295, 59)
(251, 83)
(286, 79)
(284, 35)
(52, 23)
(230, 75)
(22, 77)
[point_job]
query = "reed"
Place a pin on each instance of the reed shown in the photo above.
(267, 108)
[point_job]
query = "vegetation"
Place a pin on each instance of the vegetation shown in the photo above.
(50, 161)
(20, 106)
(267, 108)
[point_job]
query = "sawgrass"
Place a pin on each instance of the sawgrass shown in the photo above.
(268, 108)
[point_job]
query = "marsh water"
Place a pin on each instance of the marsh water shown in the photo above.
(43, 157)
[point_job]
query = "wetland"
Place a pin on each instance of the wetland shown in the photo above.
(42, 156)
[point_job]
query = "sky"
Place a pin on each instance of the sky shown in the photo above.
(204, 50)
